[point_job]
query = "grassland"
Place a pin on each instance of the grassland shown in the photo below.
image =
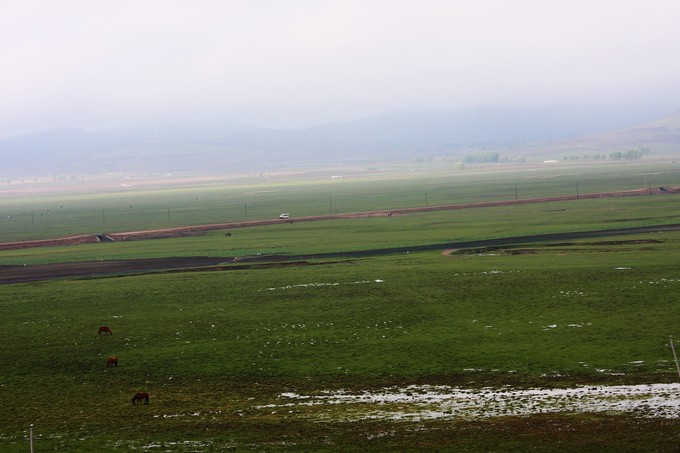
(52, 211)
(216, 350)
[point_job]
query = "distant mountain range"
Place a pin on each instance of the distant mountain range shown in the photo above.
(661, 136)
(235, 148)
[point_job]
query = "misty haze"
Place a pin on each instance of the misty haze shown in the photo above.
(311, 225)
(245, 86)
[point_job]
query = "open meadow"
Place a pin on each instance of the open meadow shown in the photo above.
(548, 346)
(46, 210)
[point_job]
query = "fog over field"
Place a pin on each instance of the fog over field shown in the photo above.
(562, 68)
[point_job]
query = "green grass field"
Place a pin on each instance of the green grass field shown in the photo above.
(217, 349)
(40, 215)
(380, 232)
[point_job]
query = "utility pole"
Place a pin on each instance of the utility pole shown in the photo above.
(677, 366)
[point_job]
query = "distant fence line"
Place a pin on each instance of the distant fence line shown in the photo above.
(198, 229)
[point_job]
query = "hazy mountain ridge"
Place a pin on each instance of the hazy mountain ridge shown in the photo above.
(234, 148)
(661, 136)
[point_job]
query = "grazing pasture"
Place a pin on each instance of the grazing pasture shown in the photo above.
(357, 354)
(50, 212)
(436, 227)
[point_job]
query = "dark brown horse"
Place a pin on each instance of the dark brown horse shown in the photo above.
(140, 398)
(104, 330)
(112, 361)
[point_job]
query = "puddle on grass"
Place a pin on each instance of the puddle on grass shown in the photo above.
(425, 402)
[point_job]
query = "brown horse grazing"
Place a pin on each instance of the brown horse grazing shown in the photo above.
(104, 330)
(140, 398)
(112, 361)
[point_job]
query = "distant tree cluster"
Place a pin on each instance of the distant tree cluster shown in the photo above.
(508, 159)
(481, 157)
(595, 156)
(631, 154)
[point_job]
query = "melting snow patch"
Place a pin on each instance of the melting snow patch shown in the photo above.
(311, 285)
(170, 444)
(663, 281)
(491, 272)
(570, 294)
(421, 402)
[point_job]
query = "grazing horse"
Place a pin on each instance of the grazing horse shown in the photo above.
(104, 330)
(140, 398)
(112, 361)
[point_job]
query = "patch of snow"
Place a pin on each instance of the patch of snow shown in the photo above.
(312, 285)
(421, 402)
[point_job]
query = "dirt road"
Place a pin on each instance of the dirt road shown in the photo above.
(97, 269)
(28, 273)
(200, 229)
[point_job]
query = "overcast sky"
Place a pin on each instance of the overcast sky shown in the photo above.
(96, 64)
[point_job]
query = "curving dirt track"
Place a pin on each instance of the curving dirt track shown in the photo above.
(17, 274)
